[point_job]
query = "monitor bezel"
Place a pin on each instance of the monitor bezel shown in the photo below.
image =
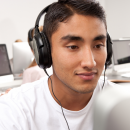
(8, 61)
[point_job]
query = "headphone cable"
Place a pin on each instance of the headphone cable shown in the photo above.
(60, 102)
(104, 76)
(57, 100)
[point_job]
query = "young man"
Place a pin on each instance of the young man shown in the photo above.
(77, 32)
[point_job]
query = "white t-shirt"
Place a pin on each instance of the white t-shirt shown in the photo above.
(32, 107)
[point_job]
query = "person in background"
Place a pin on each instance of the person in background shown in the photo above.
(33, 72)
(18, 40)
(11, 64)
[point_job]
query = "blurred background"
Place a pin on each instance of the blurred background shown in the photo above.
(18, 16)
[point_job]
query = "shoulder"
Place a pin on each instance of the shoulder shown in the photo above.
(19, 104)
(35, 70)
(32, 69)
(29, 89)
(33, 74)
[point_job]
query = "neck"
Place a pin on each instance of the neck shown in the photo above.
(68, 98)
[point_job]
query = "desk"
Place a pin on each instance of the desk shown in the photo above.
(114, 74)
(124, 84)
(11, 84)
(118, 79)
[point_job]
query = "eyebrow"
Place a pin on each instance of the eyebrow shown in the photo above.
(100, 37)
(72, 38)
(78, 38)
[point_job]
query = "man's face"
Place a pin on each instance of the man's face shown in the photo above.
(79, 52)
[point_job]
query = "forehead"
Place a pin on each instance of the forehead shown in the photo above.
(81, 25)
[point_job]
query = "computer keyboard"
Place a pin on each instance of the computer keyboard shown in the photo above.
(6, 79)
(126, 75)
(124, 70)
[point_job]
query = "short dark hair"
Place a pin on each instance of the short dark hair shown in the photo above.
(64, 9)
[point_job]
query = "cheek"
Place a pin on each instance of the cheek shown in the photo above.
(101, 59)
(61, 60)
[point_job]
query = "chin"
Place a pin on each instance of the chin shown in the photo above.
(84, 89)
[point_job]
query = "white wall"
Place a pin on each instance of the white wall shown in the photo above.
(17, 17)
(118, 18)
(102, 2)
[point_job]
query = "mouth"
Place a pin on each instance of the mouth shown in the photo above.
(87, 75)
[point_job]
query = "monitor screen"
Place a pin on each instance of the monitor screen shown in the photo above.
(112, 109)
(22, 57)
(121, 51)
(5, 68)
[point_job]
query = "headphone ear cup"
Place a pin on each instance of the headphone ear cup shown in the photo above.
(42, 51)
(46, 51)
(109, 50)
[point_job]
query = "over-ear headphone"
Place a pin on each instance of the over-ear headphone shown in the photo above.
(109, 49)
(30, 38)
(42, 50)
(41, 45)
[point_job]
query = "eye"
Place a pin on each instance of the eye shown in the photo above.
(72, 47)
(99, 46)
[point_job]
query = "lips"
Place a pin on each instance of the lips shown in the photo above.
(87, 75)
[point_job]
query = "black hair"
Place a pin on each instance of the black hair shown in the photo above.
(64, 9)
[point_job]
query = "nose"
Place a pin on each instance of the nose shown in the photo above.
(88, 60)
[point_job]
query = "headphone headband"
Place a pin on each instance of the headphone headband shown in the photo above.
(39, 16)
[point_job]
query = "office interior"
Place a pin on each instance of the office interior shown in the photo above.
(17, 17)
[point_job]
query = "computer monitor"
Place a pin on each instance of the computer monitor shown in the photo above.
(22, 57)
(5, 68)
(112, 109)
(121, 51)
(121, 58)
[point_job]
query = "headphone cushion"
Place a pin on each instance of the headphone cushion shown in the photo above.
(42, 51)
(46, 51)
(37, 42)
(109, 49)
